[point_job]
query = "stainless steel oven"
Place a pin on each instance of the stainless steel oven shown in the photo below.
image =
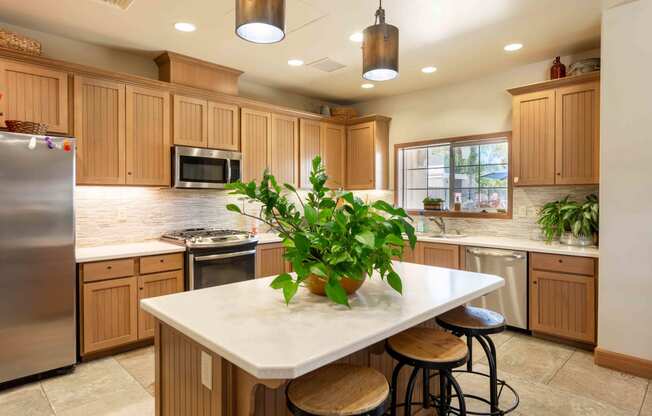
(196, 167)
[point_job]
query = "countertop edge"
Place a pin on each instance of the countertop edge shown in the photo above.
(122, 251)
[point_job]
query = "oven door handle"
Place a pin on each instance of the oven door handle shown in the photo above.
(228, 170)
(225, 255)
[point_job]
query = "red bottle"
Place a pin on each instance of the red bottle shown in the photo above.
(558, 70)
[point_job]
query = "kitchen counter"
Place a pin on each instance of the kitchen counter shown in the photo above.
(249, 325)
(490, 242)
(117, 251)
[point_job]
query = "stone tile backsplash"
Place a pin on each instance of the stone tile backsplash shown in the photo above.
(113, 215)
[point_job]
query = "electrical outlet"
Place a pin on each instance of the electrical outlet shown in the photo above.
(207, 370)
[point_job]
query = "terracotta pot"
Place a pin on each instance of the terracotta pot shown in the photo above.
(317, 285)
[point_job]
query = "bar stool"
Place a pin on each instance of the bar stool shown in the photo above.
(427, 349)
(338, 390)
(478, 323)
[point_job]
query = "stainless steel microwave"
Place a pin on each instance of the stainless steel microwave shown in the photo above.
(195, 167)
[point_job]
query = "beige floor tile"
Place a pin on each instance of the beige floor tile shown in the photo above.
(646, 410)
(531, 358)
(91, 382)
(28, 400)
(498, 339)
(140, 364)
(581, 376)
(541, 400)
(134, 402)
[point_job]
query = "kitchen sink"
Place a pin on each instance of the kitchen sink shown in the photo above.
(443, 235)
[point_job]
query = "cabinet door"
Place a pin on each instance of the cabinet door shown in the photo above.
(100, 131)
(110, 312)
(410, 255)
(563, 305)
(223, 126)
(148, 137)
(333, 153)
(533, 142)
(360, 160)
(577, 139)
(440, 255)
(190, 121)
(34, 93)
(256, 130)
(309, 147)
(150, 286)
(284, 149)
(270, 261)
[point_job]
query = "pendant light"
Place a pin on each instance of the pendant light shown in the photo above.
(380, 49)
(260, 21)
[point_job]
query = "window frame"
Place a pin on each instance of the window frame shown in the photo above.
(478, 138)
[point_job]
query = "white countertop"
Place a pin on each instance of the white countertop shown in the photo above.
(490, 242)
(117, 251)
(249, 324)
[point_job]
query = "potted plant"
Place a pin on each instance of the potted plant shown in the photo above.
(434, 204)
(333, 240)
(572, 222)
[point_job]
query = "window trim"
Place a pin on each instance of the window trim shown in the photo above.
(461, 139)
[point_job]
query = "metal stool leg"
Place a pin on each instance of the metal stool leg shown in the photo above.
(443, 388)
(490, 350)
(393, 388)
(458, 391)
(410, 391)
(426, 388)
(469, 344)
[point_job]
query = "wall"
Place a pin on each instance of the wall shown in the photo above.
(625, 302)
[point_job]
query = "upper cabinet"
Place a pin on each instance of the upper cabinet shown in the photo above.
(256, 133)
(367, 155)
(223, 126)
(190, 121)
(34, 93)
(328, 141)
(309, 147)
(284, 149)
(556, 132)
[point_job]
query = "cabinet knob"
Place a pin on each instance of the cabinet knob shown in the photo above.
(109, 267)
(1, 114)
(129, 173)
(534, 283)
(162, 261)
(558, 173)
(560, 260)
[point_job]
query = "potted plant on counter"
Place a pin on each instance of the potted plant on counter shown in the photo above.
(333, 240)
(433, 204)
(574, 223)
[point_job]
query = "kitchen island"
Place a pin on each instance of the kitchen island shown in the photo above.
(229, 350)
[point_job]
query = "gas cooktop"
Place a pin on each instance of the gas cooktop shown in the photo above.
(209, 237)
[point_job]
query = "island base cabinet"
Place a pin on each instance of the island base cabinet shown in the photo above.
(193, 381)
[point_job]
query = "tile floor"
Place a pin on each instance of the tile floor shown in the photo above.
(551, 379)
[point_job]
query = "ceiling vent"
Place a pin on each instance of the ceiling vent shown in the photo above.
(120, 4)
(326, 65)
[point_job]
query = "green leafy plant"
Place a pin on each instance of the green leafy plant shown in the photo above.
(331, 235)
(580, 219)
(432, 201)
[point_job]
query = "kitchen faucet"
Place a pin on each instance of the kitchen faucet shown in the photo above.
(439, 221)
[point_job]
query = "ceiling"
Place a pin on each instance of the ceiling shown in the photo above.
(463, 39)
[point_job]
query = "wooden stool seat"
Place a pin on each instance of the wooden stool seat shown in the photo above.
(428, 345)
(339, 390)
(470, 317)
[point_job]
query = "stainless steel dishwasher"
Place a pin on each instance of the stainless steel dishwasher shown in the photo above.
(511, 299)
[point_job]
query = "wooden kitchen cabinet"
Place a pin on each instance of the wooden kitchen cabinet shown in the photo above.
(270, 261)
(440, 255)
(255, 134)
(556, 132)
(100, 115)
(34, 93)
(283, 149)
(153, 285)
(410, 255)
(333, 154)
(190, 121)
(310, 139)
(147, 137)
(110, 311)
(223, 126)
(563, 297)
(367, 155)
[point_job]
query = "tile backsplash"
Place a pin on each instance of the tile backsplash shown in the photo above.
(112, 215)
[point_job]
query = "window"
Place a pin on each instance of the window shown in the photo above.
(472, 171)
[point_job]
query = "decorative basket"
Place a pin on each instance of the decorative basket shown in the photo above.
(343, 113)
(26, 127)
(11, 40)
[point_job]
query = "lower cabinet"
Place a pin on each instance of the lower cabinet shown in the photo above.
(440, 255)
(270, 261)
(110, 295)
(563, 297)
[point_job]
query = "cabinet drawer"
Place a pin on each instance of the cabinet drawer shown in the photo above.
(102, 270)
(165, 262)
(563, 264)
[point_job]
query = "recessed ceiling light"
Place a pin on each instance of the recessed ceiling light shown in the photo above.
(356, 37)
(513, 47)
(367, 86)
(295, 62)
(185, 27)
(428, 69)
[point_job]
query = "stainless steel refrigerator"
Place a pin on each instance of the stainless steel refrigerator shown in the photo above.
(37, 255)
